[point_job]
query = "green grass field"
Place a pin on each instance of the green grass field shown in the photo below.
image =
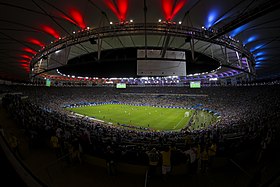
(167, 119)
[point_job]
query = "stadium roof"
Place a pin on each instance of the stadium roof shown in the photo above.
(29, 25)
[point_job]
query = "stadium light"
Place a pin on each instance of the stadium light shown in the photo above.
(111, 23)
(159, 20)
(180, 22)
(131, 21)
(213, 79)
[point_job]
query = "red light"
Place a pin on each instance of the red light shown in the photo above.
(24, 61)
(167, 6)
(26, 67)
(178, 7)
(123, 7)
(69, 19)
(77, 16)
(170, 9)
(50, 31)
(25, 56)
(111, 5)
(36, 42)
(30, 50)
(119, 9)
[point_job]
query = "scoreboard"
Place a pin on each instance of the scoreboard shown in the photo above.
(121, 85)
(195, 84)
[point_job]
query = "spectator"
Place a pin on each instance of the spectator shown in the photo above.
(212, 153)
(192, 160)
(55, 145)
(204, 160)
(166, 162)
(76, 153)
(153, 156)
(14, 143)
(110, 161)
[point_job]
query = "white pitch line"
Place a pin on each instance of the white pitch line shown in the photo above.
(179, 122)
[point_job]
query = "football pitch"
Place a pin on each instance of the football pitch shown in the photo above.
(156, 118)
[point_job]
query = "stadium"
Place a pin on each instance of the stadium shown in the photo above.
(142, 93)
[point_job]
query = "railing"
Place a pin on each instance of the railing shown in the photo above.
(146, 179)
(240, 168)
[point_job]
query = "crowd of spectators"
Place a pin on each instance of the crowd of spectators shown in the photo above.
(249, 116)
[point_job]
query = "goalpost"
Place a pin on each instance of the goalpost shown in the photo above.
(187, 114)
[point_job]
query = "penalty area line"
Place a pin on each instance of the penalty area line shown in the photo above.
(179, 122)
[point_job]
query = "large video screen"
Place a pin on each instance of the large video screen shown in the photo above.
(195, 84)
(172, 64)
(121, 85)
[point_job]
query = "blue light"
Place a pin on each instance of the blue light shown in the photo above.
(256, 48)
(212, 16)
(221, 19)
(251, 39)
(238, 30)
(259, 54)
(261, 58)
(258, 66)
